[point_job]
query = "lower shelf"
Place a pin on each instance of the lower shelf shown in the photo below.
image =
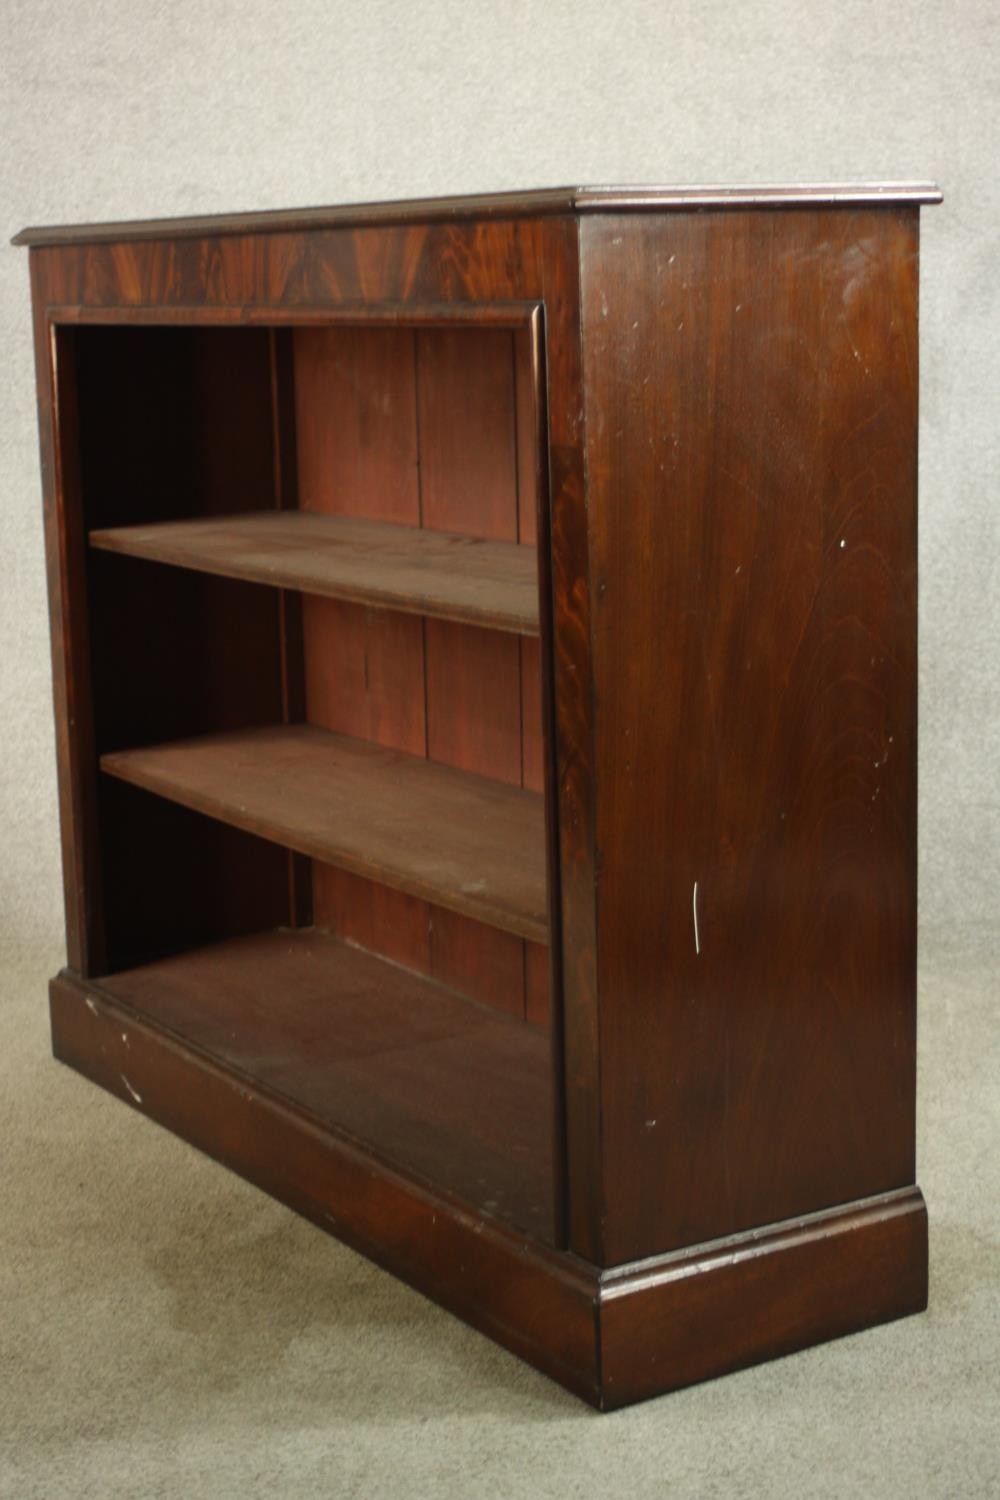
(448, 1092)
(611, 1335)
(467, 842)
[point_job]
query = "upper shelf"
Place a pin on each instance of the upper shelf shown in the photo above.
(422, 572)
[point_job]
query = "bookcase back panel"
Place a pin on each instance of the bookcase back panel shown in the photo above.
(433, 428)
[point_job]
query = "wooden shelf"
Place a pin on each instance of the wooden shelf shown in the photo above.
(465, 842)
(395, 567)
(451, 1093)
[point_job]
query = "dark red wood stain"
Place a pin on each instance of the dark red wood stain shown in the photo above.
(421, 428)
(754, 575)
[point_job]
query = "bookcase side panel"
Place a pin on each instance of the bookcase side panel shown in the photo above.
(65, 569)
(751, 459)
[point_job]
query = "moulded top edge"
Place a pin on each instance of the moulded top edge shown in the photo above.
(534, 202)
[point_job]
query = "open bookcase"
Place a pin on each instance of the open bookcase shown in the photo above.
(484, 660)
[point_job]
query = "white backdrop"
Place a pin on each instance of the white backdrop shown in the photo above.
(127, 108)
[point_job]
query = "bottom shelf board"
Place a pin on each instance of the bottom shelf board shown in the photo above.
(340, 1044)
(446, 1091)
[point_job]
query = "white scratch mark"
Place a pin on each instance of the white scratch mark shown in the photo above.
(650, 1124)
(604, 306)
(134, 1092)
(843, 541)
(90, 1004)
(694, 913)
(725, 1125)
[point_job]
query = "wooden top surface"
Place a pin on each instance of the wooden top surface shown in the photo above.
(532, 203)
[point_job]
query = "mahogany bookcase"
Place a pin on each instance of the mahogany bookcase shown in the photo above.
(484, 644)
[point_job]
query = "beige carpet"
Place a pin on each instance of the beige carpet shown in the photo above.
(169, 1331)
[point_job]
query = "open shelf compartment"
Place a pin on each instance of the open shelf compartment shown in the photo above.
(451, 1093)
(320, 751)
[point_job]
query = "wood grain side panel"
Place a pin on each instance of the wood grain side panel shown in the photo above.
(751, 446)
(577, 1022)
(65, 555)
